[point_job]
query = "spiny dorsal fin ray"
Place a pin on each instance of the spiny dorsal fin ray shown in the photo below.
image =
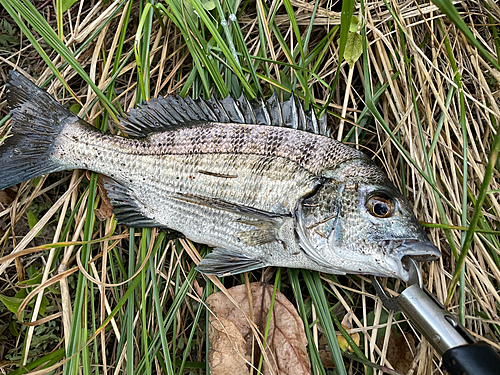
(247, 110)
(218, 109)
(290, 115)
(274, 107)
(233, 111)
(261, 113)
(160, 114)
(302, 118)
(205, 109)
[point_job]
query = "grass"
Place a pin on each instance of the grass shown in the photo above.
(422, 99)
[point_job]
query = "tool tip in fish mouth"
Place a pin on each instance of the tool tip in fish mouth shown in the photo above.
(419, 250)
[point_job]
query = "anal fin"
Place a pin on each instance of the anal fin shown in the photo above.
(222, 262)
(126, 207)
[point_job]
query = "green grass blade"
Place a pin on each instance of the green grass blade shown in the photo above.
(447, 7)
(144, 302)
(345, 24)
(130, 312)
(316, 364)
(11, 9)
(41, 363)
(33, 17)
(141, 51)
(317, 292)
(59, 11)
(77, 335)
(469, 238)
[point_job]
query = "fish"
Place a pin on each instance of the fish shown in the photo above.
(259, 181)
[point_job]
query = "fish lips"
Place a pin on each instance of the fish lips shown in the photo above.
(421, 251)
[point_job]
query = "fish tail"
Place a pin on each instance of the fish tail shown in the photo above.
(37, 120)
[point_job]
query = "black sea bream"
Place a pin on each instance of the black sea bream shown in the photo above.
(259, 181)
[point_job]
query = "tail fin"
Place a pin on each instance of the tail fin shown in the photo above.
(37, 119)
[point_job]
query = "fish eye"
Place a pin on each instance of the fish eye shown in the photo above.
(380, 205)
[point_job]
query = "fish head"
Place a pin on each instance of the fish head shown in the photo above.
(357, 221)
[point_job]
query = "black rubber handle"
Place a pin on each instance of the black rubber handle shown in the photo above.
(473, 359)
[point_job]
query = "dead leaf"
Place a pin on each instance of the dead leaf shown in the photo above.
(21, 272)
(105, 210)
(347, 324)
(227, 348)
(286, 342)
(325, 355)
(400, 351)
(324, 352)
(6, 198)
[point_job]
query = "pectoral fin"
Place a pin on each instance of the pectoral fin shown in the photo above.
(251, 212)
(266, 232)
(266, 223)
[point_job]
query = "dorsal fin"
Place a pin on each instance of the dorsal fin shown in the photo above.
(233, 111)
(162, 113)
(274, 108)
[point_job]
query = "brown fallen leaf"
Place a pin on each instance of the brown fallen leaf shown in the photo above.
(286, 341)
(347, 324)
(105, 210)
(400, 351)
(227, 353)
(6, 198)
(324, 352)
(325, 355)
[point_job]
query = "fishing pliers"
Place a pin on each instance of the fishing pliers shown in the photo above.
(461, 353)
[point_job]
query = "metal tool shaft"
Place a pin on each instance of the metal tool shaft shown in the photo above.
(438, 326)
(461, 354)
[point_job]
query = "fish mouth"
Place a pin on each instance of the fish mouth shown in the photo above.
(420, 251)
